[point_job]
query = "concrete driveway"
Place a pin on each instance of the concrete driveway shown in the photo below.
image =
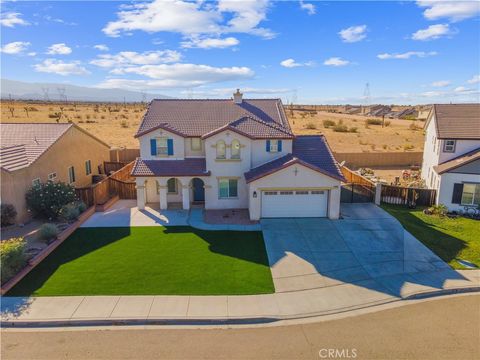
(367, 248)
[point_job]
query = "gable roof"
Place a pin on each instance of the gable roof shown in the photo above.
(197, 117)
(186, 167)
(311, 151)
(23, 143)
(458, 161)
(456, 121)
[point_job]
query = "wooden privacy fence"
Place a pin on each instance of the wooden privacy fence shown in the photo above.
(119, 183)
(357, 189)
(110, 166)
(404, 196)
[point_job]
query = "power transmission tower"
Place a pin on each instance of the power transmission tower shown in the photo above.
(45, 91)
(61, 94)
(366, 95)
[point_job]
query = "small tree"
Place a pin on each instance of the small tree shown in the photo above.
(8, 214)
(47, 199)
(12, 257)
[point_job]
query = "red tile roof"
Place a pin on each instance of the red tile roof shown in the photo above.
(22, 144)
(195, 118)
(308, 150)
(254, 128)
(187, 167)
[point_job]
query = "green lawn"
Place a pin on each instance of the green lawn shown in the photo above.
(152, 261)
(450, 239)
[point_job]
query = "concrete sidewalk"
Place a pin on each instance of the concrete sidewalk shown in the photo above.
(85, 310)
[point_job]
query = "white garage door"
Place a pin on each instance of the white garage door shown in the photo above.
(294, 203)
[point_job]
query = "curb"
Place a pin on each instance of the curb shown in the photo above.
(10, 324)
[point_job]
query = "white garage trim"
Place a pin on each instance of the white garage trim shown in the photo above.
(296, 202)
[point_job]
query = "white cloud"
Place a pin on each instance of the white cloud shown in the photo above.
(192, 18)
(131, 58)
(336, 61)
(177, 76)
(59, 67)
(453, 10)
(441, 83)
(15, 47)
(210, 43)
(431, 93)
(225, 92)
(33, 53)
(60, 21)
(474, 80)
(406, 55)
(11, 19)
(432, 32)
(59, 49)
(291, 63)
(353, 33)
(309, 8)
(101, 47)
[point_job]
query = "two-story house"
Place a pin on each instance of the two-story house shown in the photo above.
(234, 153)
(451, 155)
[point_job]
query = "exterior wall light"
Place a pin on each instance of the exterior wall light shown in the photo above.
(254, 194)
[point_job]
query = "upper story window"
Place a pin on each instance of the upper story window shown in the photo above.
(161, 146)
(196, 144)
(52, 176)
(88, 167)
(274, 146)
(235, 154)
(221, 149)
(449, 146)
(71, 175)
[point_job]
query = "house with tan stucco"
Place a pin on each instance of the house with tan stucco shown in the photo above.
(31, 153)
(233, 154)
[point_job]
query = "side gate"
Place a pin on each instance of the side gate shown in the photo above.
(357, 189)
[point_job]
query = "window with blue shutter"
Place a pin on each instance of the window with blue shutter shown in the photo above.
(279, 145)
(170, 146)
(268, 145)
(153, 147)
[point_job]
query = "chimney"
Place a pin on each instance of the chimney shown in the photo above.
(237, 97)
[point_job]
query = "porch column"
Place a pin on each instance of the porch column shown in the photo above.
(186, 197)
(334, 203)
(163, 197)
(141, 196)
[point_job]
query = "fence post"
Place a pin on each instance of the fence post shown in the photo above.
(378, 193)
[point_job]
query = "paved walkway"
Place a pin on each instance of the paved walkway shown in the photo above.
(319, 267)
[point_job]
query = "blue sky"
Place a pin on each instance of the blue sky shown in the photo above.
(302, 51)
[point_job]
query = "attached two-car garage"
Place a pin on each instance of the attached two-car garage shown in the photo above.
(294, 203)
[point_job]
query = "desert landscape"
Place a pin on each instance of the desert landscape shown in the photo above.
(116, 123)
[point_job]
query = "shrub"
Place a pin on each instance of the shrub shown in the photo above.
(373, 122)
(328, 123)
(311, 126)
(439, 210)
(8, 214)
(387, 123)
(47, 232)
(353, 129)
(407, 147)
(12, 257)
(413, 126)
(69, 212)
(81, 206)
(124, 124)
(340, 128)
(45, 200)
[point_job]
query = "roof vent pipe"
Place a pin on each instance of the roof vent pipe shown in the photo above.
(237, 97)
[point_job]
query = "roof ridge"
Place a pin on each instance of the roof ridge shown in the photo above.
(273, 126)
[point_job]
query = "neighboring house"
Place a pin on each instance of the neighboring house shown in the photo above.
(227, 154)
(451, 155)
(33, 153)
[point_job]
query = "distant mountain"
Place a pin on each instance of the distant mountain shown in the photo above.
(19, 90)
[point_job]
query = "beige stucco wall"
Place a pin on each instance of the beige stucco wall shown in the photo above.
(178, 145)
(74, 148)
(285, 179)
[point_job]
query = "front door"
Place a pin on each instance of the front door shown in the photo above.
(198, 190)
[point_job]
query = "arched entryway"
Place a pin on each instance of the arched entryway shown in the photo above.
(198, 190)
